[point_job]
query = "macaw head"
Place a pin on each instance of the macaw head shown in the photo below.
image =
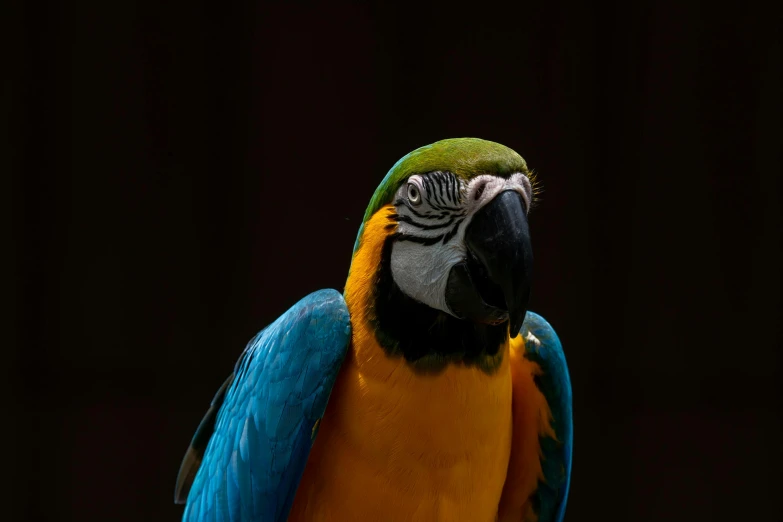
(443, 262)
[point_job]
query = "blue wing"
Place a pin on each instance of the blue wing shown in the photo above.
(543, 347)
(257, 435)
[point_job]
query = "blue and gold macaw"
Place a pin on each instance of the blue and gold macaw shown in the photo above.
(434, 394)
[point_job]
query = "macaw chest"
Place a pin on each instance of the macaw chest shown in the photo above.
(394, 445)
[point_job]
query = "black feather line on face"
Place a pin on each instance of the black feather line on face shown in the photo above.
(452, 232)
(444, 208)
(439, 195)
(426, 241)
(428, 189)
(409, 220)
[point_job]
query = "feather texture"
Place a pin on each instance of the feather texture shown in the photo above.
(542, 346)
(265, 427)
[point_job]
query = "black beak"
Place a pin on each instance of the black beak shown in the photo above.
(493, 284)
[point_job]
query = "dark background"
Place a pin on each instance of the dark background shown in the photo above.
(182, 174)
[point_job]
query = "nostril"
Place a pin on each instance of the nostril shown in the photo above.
(480, 190)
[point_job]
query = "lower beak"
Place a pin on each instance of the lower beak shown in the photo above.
(493, 284)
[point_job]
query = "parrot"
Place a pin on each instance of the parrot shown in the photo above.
(425, 391)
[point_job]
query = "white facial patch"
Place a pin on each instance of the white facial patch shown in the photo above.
(433, 211)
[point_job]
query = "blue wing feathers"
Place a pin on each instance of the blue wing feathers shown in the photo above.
(544, 348)
(262, 435)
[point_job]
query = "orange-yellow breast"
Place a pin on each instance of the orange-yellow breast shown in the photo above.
(395, 445)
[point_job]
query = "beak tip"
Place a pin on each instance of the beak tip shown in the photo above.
(515, 325)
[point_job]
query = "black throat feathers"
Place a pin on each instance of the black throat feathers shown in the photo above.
(427, 338)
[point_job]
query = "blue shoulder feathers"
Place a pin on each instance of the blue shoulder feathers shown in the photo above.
(543, 347)
(249, 453)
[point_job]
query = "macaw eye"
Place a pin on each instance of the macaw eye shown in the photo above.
(414, 196)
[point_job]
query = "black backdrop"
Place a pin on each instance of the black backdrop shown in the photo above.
(184, 173)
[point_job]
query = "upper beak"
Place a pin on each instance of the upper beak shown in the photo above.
(493, 284)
